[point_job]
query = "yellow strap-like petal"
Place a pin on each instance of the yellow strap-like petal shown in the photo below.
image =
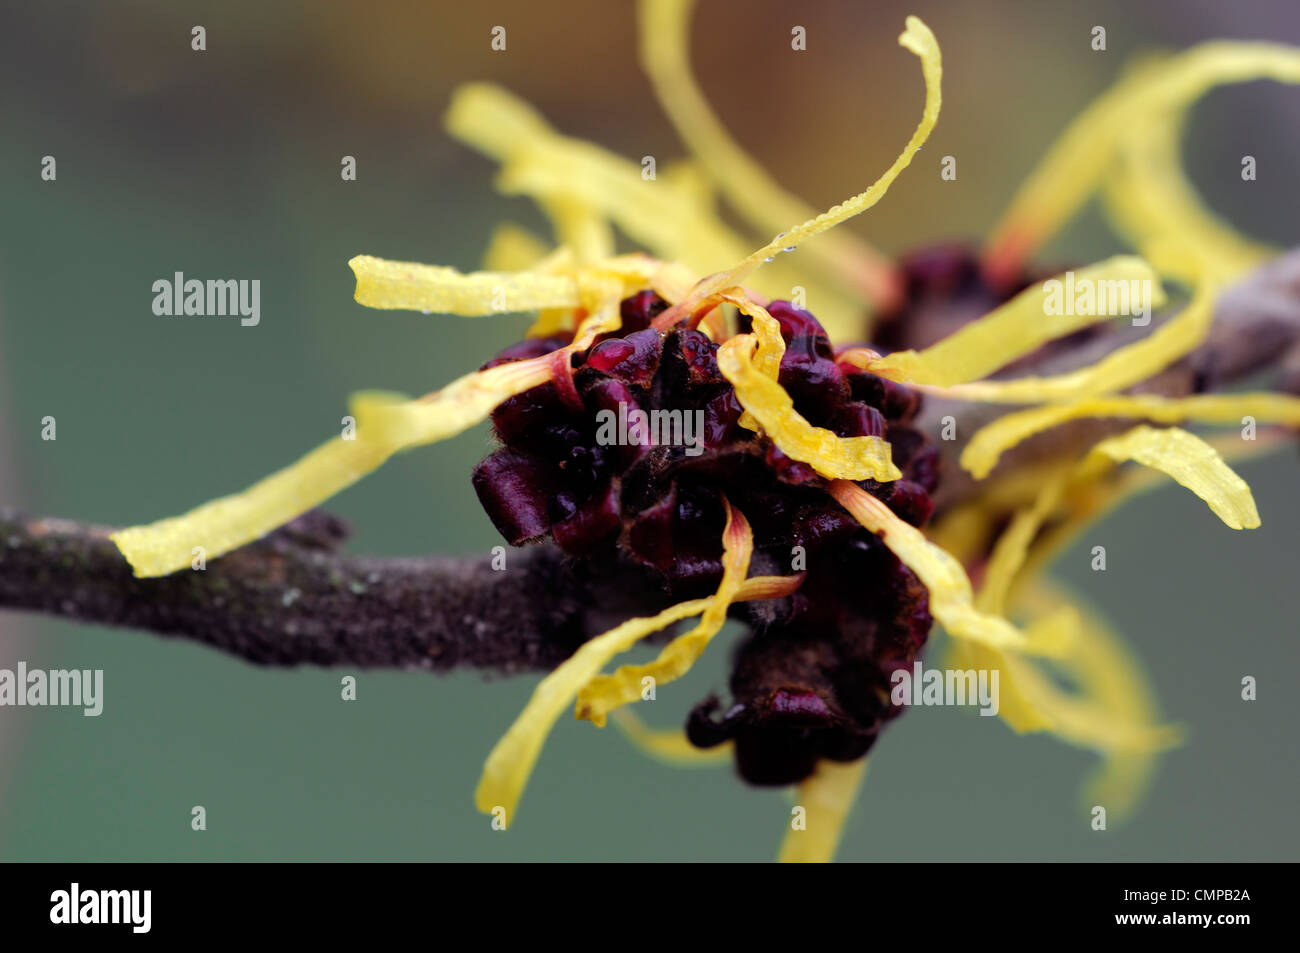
(580, 226)
(664, 31)
(1150, 201)
(918, 39)
(1193, 463)
(513, 248)
(435, 289)
(1034, 317)
(604, 693)
(833, 456)
(1081, 158)
(1112, 710)
(670, 746)
(1121, 368)
(663, 213)
(951, 599)
(222, 525)
(511, 762)
(385, 425)
(1012, 547)
(827, 797)
(990, 442)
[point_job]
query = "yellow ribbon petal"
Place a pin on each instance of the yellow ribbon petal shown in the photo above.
(833, 456)
(918, 39)
(1121, 368)
(513, 248)
(951, 598)
(663, 213)
(670, 746)
(511, 761)
(385, 425)
(432, 288)
(1034, 317)
(664, 31)
(604, 693)
(990, 442)
(1191, 462)
(1085, 154)
(827, 798)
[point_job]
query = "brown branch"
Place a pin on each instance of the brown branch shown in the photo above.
(292, 598)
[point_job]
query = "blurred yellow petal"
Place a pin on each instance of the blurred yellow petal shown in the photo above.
(1151, 203)
(668, 745)
(581, 227)
(1085, 154)
(1012, 548)
(513, 248)
(989, 443)
(1191, 462)
(664, 217)
(435, 289)
(1022, 325)
(1113, 710)
(852, 458)
(663, 214)
(951, 599)
(664, 31)
(827, 797)
(918, 39)
(511, 762)
(385, 424)
(604, 693)
(1018, 708)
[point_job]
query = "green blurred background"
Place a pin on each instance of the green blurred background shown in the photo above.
(226, 164)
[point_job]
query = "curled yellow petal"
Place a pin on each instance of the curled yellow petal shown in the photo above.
(432, 288)
(827, 797)
(1042, 313)
(1122, 368)
(990, 442)
(918, 39)
(1150, 201)
(537, 161)
(1191, 462)
(664, 31)
(664, 214)
(1085, 154)
(1017, 706)
(951, 598)
(670, 746)
(513, 248)
(1012, 547)
(833, 456)
(1111, 711)
(604, 693)
(385, 425)
(511, 761)
(578, 225)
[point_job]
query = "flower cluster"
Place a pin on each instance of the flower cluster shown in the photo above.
(808, 511)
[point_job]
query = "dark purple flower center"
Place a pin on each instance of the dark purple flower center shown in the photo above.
(638, 475)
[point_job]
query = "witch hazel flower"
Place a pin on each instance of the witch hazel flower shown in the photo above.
(804, 505)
